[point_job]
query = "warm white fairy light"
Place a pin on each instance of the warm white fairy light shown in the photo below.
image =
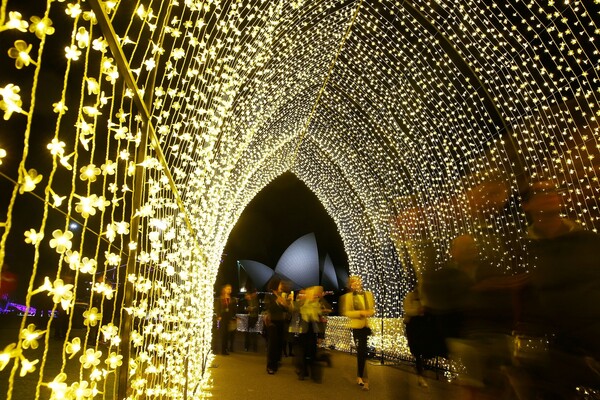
(401, 133)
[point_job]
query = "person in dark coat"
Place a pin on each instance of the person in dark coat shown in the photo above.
(277, 307)
(565, 281)
(421, 333)
(225, 309)
(250, 337)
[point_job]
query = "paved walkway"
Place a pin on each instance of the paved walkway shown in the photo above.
(242, 375)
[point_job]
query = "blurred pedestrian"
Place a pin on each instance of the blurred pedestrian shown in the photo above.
(420, 332)
(565, 277)
(311, 312)
(277, 307)
(250, 336)
(225, 309)
(287, 344)
(566, 274)
(443, 292)
(323, 354)
(358, 305)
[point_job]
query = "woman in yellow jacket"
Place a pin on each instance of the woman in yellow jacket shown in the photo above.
(359, 305)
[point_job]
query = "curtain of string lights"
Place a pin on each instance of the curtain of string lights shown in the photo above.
(134, 133)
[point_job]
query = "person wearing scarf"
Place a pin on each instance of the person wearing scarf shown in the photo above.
(358, 305)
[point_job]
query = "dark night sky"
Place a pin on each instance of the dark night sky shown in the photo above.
(282, 212)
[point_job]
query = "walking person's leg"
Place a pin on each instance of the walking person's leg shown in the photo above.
(360, 340)
(274, 339)
(223, 334)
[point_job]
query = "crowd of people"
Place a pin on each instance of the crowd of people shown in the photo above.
(294, 325)
(535, 334)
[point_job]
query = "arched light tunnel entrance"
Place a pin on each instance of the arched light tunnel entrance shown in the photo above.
(134, 136)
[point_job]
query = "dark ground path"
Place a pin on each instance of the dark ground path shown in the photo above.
(242, 375)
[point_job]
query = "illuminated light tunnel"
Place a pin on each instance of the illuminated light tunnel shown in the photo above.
(152, 124)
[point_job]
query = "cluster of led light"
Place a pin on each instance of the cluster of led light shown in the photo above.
(403, 118)
(392, 343)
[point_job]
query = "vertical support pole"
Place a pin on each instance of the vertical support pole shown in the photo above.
(134, 226)
(139, 178)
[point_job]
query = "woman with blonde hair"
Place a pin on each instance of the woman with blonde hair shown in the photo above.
(358, 305)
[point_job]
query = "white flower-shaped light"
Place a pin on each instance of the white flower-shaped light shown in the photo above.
(33, 237)
(103, 99)
(150, 64)
(111, 232)
(124, 155)
(11, 100)
(64, 161)
(15, 22)
(80, 391)
(91, 111)
(58, 386)
(91, 317)
(86, 128)
(73, 258)
(101, 203)
(60, 292)
(112, 259)
(90, 358)
(112, 75)
(41, 26)
(109, 168)
(90, 16)
(83, 38)
(178, 54)
(96, 375)
(130, 170)
(120, 132)
(122, 227)
(72, 53)
(73, 10)
(29, 180)
(104, 289)
(107, 64)
(122, 115)
(27, 366)
(93, 87)
(89, 172)
(9, 352)
(57, 200)
(85, 205)
(61, 240)
(88, 265)
(21, 54)
(73, 347)
(136, 339)
(2, 154)
(59, 107)
(30, 336)
(56, 147)
(109, 331)
(110, 6)
(114, 360)
(100, 44)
